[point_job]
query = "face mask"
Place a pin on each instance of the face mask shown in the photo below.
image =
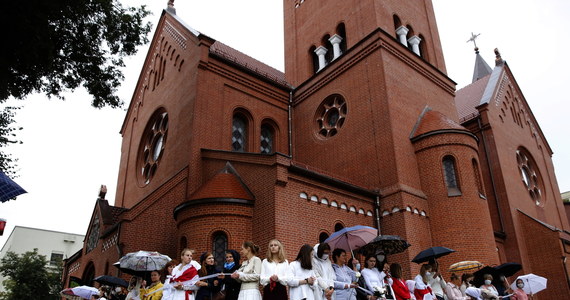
(487, 282)
(520, 285)
(358, 266)
(428, 274)
(229, 265)
(325, 256)
(470, 282)
(118, 289)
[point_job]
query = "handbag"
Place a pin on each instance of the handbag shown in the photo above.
(221, 295)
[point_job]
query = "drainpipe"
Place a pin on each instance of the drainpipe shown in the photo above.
(565, 270)
(290, 123)
(377, 210)
(492, 177)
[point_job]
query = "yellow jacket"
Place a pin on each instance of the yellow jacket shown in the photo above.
(155, 296)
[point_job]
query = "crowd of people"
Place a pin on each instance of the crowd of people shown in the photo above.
(317, 273)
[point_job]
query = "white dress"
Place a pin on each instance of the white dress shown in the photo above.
(303, 291)
(269, 269)
(181, 294)
(249, 278)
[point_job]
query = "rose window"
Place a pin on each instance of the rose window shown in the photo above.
(530, 177)
(331, 115)
(152, 144)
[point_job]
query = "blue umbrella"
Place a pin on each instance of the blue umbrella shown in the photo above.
(8, 188)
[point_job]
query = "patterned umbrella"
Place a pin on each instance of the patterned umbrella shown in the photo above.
(385, 244)
(142, 261)
(465, 266)
(8, 188)
(352, 238)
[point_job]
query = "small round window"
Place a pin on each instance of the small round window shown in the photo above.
(331, 115)
(152, 146)
(529, 176)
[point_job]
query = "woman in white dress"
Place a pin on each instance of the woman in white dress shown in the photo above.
(275, 272)
(303, 279)
(184, 277)
(248, 273)
(375, 280)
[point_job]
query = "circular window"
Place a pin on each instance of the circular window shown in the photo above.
(152, 145)
(529, 176)
(331, 115)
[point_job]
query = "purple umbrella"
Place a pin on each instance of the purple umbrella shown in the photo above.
(352, 238)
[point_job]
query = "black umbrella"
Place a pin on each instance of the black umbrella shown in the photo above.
(431, 254)
(508, 269)
(111, 280)
(8, 188)
(478, 276)
(385, 244)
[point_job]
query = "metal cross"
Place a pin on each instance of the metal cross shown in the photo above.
(472, 38)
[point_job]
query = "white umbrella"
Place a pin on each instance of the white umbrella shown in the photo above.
(532, 283)
(83, 291)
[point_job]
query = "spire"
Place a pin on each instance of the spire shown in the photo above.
(482, 69)
(170, 7)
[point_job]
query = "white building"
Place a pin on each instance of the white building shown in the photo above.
(55, 245)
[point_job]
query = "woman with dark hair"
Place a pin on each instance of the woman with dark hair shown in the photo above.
(248, 273)
(155, 287)
(399, 286)
(231, 286)
(354, 265)
(166, 274)
(274, 272)
(211, 286)
(466, 282)
(344, 275)
(375, 279)
(325, 273)
(303, 280)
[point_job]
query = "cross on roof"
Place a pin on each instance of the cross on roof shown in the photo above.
(473, 38)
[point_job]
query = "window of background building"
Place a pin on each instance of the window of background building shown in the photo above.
(219, 247)
(450, 173)
(239, 133)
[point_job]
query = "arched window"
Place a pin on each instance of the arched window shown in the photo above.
(450, 176)
(323, 236)
(397, 22)
(183, 243)
(314, 58)
(338, 226)
(327, 44)
(478, 178)
(219, 247)
(88, 274)
(267, 136)
(239, 133)
(341, 30)
(423, 48)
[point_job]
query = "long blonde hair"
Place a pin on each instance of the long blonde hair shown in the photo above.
(280, 254)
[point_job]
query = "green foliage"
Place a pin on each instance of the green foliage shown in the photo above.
(55, 46)
(7, 137)
(29, 277)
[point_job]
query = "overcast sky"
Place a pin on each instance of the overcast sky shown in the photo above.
(70, 149)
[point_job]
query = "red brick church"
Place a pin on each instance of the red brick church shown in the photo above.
(364, 127)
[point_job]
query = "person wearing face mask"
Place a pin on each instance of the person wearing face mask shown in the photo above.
(488, 285)
(354, 265)
(325, 273)
(518, 293)
(466, 282)
(422, 289)
(436, 281)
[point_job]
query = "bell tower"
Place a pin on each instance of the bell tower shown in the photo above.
(319, 31)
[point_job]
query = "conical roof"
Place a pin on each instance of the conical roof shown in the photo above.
(482, 69)
(225, 185)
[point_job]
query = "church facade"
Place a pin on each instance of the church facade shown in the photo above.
(364, 127)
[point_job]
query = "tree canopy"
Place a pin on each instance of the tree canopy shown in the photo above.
(29, 277)
(55, 46)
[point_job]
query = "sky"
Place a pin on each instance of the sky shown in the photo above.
(70, 149)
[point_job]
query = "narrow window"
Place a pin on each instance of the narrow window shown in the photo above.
(341, 30)
(183, 243)
(327, 44)
(239, 133)
(266, 146)
(450, 173)
(219, 247)
(478, 178)
(314, 59)
(323, 236)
